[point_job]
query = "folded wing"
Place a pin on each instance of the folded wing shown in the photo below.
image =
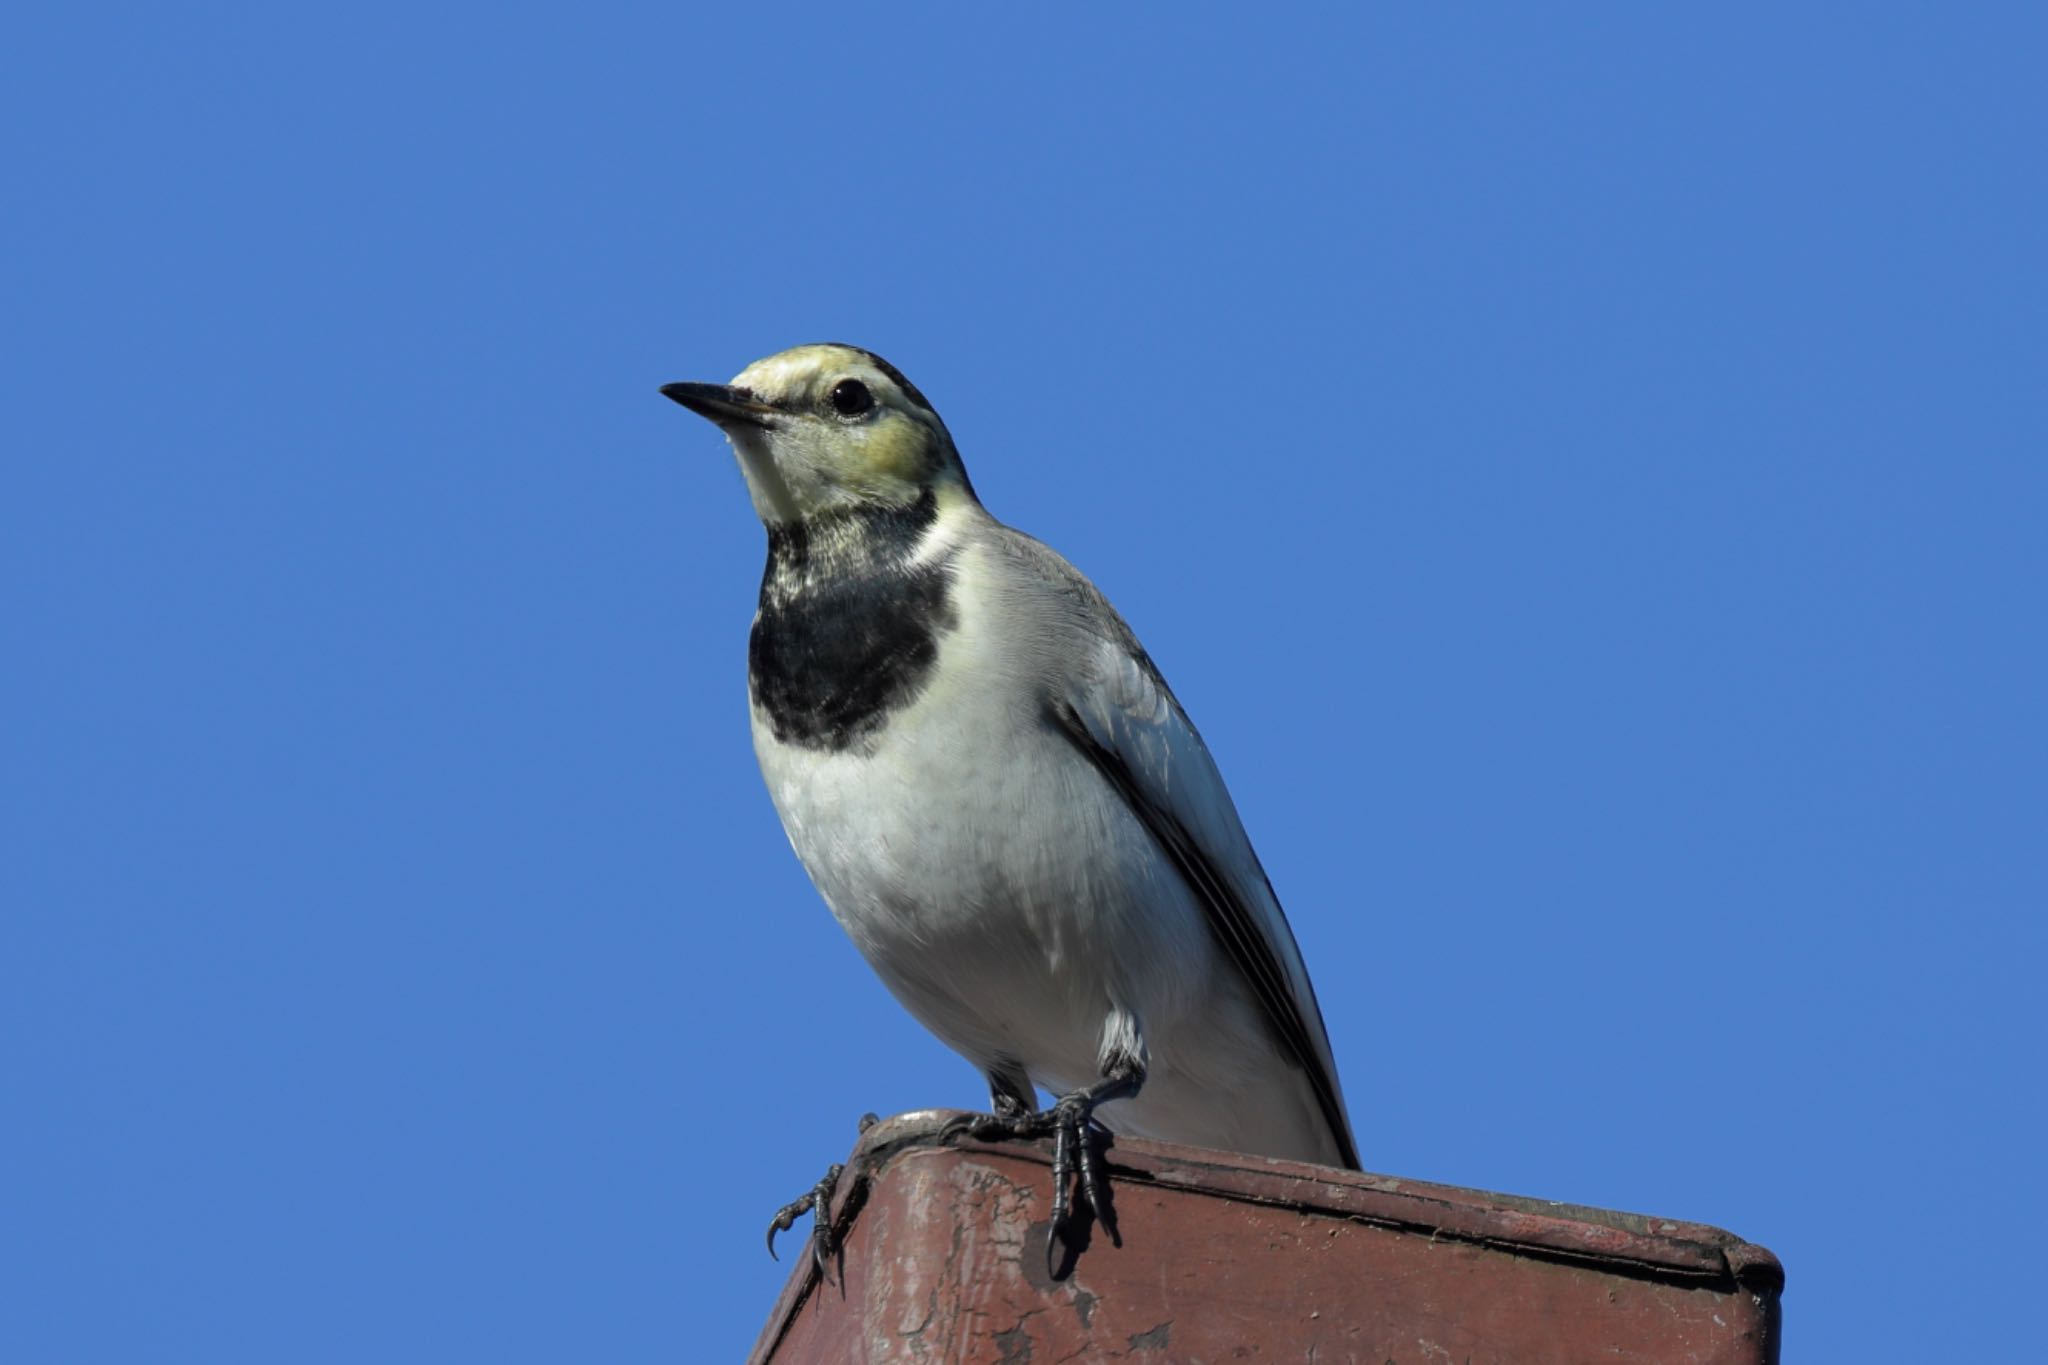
(1122, 717)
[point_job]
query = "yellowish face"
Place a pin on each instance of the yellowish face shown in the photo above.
(820, 428)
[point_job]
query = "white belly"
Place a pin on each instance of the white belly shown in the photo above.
(994, 883)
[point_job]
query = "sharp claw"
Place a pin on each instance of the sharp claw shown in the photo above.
(1092, 1182)
(783, 1221)
(818, 1203)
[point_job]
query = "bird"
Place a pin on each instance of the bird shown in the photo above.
(1000, 799)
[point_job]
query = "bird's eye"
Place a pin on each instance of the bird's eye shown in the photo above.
(850, 398)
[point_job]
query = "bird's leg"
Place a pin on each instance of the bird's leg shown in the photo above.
(1010, 1092)
(817, 1201)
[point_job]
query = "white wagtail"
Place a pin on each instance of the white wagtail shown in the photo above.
(999, 797)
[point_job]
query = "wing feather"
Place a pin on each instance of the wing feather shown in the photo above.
(1122, 717)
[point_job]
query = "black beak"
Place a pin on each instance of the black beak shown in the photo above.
(722, 404)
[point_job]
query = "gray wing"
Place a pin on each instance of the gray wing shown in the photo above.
(1120, 714)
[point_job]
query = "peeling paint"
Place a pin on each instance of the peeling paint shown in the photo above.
(1016, 1346)
(1157, 1339)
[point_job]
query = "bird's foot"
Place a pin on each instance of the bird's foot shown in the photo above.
(1010, 1119)
(1077, 1145)
(1076, 1155)
(817, 1201)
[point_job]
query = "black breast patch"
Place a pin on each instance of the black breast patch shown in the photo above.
(848, 630)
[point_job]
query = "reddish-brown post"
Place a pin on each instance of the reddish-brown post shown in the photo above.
(1234, 1258)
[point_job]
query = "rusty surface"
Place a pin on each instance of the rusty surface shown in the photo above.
(1234, 1258)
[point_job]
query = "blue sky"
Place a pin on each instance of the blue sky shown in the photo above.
(1583, 471)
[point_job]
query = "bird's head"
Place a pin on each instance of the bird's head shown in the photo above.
(826, 428)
